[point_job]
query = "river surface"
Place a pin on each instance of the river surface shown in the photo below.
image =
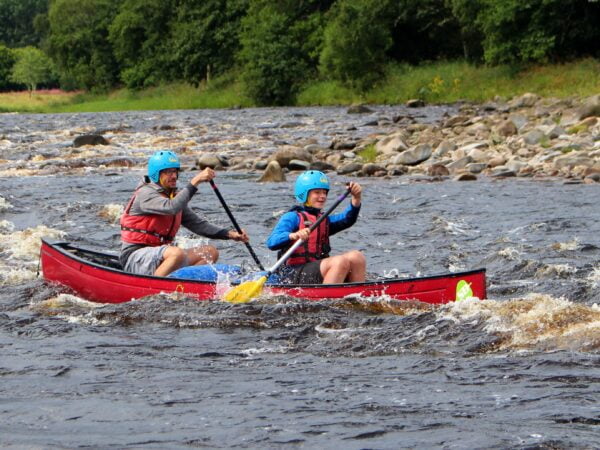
(518, 370)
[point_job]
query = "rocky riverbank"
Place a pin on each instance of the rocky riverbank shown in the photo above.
(527, 136)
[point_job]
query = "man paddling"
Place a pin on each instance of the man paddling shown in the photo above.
(154, 214)
(311, 263)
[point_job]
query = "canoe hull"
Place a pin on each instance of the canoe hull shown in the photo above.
(83, 272)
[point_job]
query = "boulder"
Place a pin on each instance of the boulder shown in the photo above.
(507, 128)
(359, 109)
(321, 166)
(349, 168)
(438, 170)
(444, 148)
(284, 155)
(465, 177)
(415, 103)
(371, 169)
(391, 144)
(590, 107)
(533, 137)
(209, 160)
(90, 139)
(414, 156)
(298, 164)
(273, 173)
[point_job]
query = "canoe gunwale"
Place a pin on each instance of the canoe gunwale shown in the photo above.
(63, 246)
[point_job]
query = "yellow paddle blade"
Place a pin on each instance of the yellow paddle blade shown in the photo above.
(245, 291)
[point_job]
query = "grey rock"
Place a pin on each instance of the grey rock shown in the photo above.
(349, 168)
(297, 164)
(414, 156)
(533, 137)
(476, 167)
(90, 139)
(284, 155)
(359, 109)
(370, 169)
(208, 160)
(465, 177)
(321, 166)
(415, 103)
(591, 107)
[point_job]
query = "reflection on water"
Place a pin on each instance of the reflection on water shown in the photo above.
(519, 370)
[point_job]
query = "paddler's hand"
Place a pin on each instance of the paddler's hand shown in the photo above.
(204, 176)
(303, 234)
(235, 236)
(356, 192)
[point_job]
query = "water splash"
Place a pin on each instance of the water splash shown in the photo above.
(535, 322)
(4, 204)
(111, 212)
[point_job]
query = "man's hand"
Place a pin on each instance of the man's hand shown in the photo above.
(303, 234)
(202, 177)
(235, 236)
(356, 192)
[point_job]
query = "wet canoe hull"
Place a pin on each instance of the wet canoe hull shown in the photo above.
(97, 277)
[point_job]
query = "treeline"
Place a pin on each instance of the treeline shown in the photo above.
(275, 46)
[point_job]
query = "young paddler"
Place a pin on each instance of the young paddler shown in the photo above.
(311, 263)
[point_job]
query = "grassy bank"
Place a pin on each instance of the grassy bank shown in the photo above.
(440, 82)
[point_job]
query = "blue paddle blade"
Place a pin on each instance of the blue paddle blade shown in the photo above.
(463, 291)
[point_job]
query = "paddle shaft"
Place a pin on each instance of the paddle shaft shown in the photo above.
(299, 242)
(234, 222)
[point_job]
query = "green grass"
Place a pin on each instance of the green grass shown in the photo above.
(447, 82)
(171, 96)
(368, 154)
(438, 82)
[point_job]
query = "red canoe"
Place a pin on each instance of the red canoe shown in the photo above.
(98, 277)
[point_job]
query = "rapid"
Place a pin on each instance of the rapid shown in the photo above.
(517, 370)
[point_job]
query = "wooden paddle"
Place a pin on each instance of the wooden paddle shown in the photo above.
(250, 289)
(234, 222)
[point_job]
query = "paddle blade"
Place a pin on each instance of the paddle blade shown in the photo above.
(245, 291)
(463, 291)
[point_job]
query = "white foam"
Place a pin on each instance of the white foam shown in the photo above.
(4, 204)
(111, 212)
(25, 245)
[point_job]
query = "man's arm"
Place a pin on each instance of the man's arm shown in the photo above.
(201, 226)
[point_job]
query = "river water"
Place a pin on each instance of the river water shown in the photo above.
(518, 370)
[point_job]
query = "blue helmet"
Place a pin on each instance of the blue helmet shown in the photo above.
(311, 179)
(161, 160)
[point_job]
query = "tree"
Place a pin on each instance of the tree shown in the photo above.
(31, 68)
(206, 37)
(7, 60)
(17, 18)
(518, 31)
(140, 38)
(78, 42)
(356, 40)
(274, 61)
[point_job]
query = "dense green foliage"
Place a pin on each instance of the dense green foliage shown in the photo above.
(7, 60)
(274, 47)
(78, 42)
(356, 41)
(18, 19)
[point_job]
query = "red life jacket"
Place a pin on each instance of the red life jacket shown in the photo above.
(316, 247)
(149, 229)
